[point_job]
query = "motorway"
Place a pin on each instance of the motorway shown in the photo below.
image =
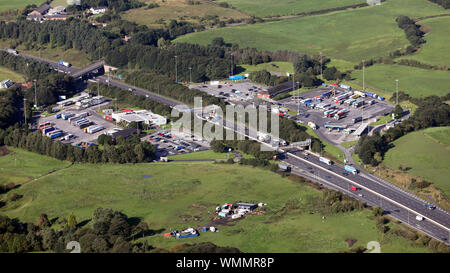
(374, 191)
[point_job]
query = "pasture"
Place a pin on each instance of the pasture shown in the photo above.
(263, 8)
(180, 10)
(414, 81)
(436, 51)
(350, 35)
(17, 4)
(426, 153)
(181, 195)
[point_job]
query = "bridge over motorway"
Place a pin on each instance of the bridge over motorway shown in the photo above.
(97, 67)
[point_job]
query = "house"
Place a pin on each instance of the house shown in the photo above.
(98, 10)
(38, 14)
(57, 10)
(6, 84)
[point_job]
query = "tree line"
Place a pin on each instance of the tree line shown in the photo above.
(129, 150)
(114, 5)
(411, 29)
(111, 232)
(432, 112)
(444, 3)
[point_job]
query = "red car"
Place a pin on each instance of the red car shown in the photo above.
(353, 188)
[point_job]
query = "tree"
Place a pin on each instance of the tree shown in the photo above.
(330, 73)
(49, 238)
(71, 221)
(218, 41)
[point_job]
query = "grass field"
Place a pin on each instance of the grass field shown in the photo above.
(416, 82)
(351, 35)
(427, 153)
(177, 192)
(21, 166)
(262, 8)
(437, 48)
(180, 10)
(281, 67)
(202, 155)
(8, 74)
(17, 4)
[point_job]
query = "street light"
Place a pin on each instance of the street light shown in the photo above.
(321, 76)
(396, 83)
(25, 109)
(35, 96)
(364, 86)
(176, 69)
(190, 74)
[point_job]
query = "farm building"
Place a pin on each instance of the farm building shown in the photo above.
(98, 10)
(38, 14)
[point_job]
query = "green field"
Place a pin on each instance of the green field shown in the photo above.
(21, 166)
(176, 192)
(427, 153)
(202, 155)
(180, 10)
(17, 4)
(262, 8)
(281, 67)
(351, 35)
(436, 51)
(414, 81)
(8, 74)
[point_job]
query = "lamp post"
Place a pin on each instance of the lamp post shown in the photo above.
(396, 87)
(321, 76)
(176, 69)
(190, 74)
(25, 110)
(35, 96)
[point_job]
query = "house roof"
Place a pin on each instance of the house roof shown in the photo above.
(43, 8)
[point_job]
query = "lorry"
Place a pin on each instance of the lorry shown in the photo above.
(350, 169)
(284, 167)
(12, 51)
(57, 134)
(325, 160)
(47, 130)
(339, 115)
(346, 87)
(66, 64)
(93, 129)
(370, 94)
(356, 119)
(66, 116)
(312, 125)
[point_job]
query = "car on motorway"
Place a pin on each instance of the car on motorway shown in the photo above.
(353, 188)
(430, 206)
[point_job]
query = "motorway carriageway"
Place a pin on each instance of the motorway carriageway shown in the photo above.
(395, 202)
(333, 175)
